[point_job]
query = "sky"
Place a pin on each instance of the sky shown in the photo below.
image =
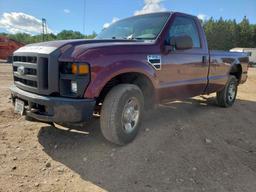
(87, 16)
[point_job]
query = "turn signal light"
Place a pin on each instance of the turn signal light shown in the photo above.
(74, 68)
(80, 69)
(83, 69)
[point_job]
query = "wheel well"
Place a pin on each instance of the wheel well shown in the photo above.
(236, 70)
(141, 80)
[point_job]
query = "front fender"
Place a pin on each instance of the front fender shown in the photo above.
(102, 75)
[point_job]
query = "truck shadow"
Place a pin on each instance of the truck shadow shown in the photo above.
(170, 152)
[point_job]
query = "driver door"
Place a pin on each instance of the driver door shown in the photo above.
(184, 72)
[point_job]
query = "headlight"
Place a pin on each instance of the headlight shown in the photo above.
(74, 87)
(74, 79)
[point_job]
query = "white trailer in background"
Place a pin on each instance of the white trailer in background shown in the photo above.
(251, 53)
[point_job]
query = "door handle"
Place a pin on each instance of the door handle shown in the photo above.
(204, 59)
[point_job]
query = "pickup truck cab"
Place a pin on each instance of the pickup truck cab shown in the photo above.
(133, 65)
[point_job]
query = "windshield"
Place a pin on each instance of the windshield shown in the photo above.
(143, 27)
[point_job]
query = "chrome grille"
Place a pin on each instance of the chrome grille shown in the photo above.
(25, 71)
(27, 59)
(36, 72)
(26, 82)
(31, 72)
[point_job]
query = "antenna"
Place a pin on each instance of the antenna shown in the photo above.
(84, 17)
(44, 28)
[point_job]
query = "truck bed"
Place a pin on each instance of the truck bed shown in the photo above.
(227, 54)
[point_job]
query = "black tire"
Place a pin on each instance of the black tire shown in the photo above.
(226, 97)
(112, 113)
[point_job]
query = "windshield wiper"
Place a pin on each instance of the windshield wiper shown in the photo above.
(125, 38)
(121, 38)
(131, 37)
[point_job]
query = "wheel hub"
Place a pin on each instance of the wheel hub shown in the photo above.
(131, 113)
(231, 92)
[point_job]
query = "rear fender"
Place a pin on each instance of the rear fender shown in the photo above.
(239, 68)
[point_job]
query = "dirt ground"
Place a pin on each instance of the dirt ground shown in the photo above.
(183, 146)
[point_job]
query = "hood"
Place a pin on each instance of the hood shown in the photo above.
(64, 45)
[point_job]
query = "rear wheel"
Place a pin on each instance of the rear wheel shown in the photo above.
(227, 96)
(121, 113)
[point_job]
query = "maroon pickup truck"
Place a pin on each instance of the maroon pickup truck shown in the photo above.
(133, 65)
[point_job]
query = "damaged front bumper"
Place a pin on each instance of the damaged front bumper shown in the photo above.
(54, 109)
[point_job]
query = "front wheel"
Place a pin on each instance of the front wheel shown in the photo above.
(227, 96)
(121, 113)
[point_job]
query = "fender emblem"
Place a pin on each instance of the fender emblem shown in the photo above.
(155, 61)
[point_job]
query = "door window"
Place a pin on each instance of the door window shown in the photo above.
(185, 26)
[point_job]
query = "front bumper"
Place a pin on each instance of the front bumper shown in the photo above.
(54, 109)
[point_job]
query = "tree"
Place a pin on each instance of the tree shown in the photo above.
(245, 34)
(221, 34)
(21, 37)
(65, 34)
(254, 36)
(92, 36)
(69, 34)
(227, 34)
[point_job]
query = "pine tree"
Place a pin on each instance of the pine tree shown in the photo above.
(245, 33)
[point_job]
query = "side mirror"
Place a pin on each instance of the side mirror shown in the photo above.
(181, 42)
